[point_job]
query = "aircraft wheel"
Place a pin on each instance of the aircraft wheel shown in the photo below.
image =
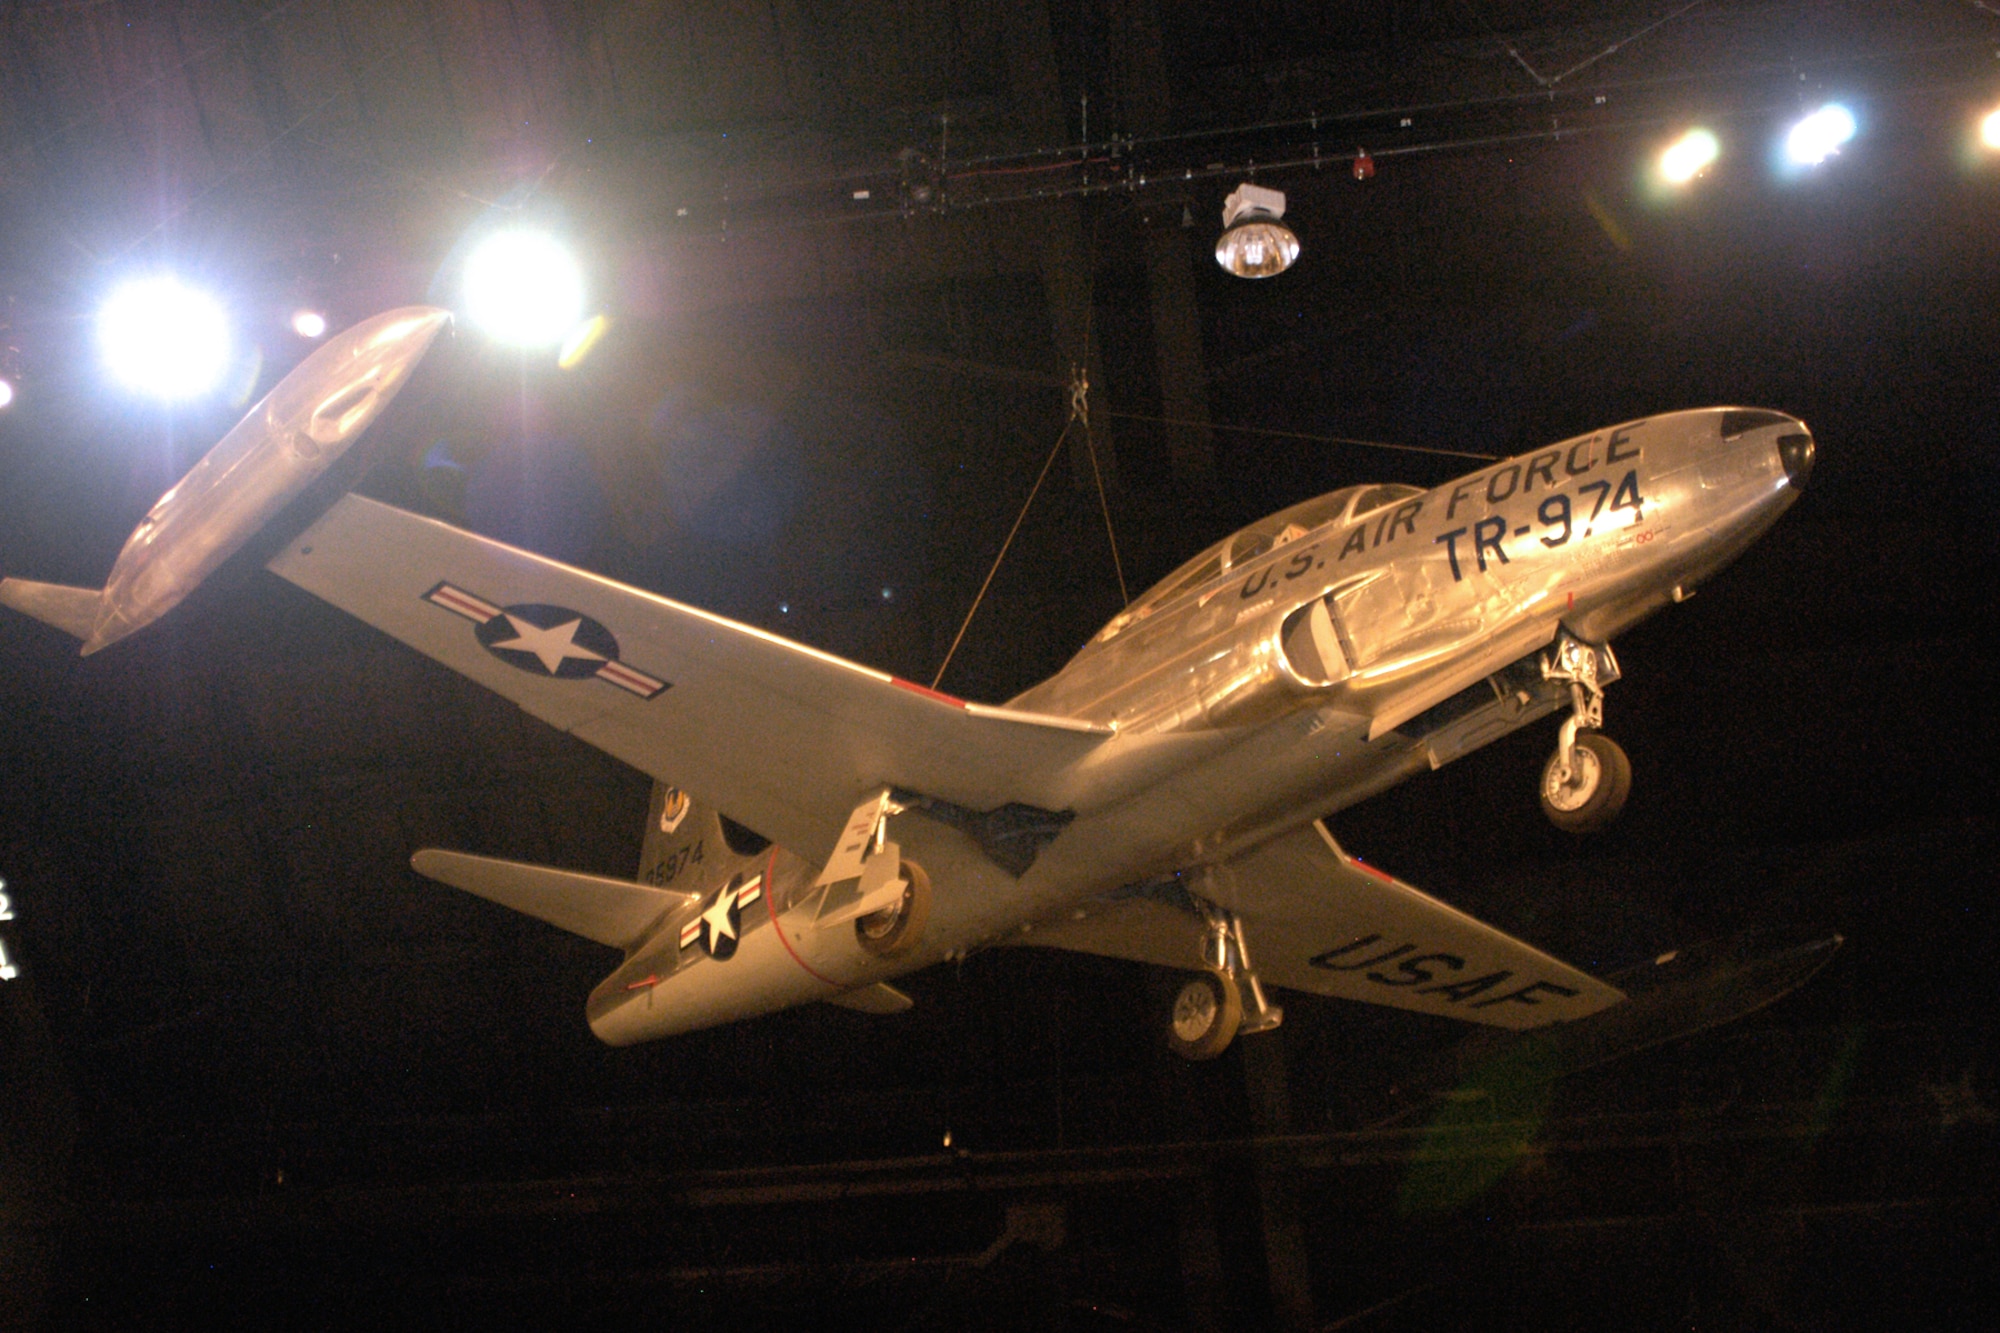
(1206, 1014)
(1598, 785)
(896, 930)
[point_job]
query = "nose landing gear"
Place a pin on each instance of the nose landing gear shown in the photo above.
(1587, 780)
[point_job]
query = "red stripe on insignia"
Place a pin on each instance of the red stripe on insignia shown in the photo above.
(464, 603)
(927, 692)
(690, 931)
(625, 678)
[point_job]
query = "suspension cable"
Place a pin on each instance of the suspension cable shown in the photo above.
(1079, 410)
(1025, 505)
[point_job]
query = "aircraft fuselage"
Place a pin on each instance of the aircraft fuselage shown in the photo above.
(1326, 655)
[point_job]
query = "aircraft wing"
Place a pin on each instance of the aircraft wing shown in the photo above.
(1319, 921)
(784, 738)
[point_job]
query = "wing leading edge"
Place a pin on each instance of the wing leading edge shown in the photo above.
(1319, 921)
(783, 737)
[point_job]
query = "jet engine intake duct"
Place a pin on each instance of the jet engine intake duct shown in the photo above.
(1311, 643)
(1796, 453)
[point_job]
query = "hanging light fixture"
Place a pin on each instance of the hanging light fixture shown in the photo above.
(1254, 243)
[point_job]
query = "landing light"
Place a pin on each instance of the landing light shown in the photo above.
(1689, 156)
(1254, 243)
(163, 338)
(1820, 135)
(523, 288)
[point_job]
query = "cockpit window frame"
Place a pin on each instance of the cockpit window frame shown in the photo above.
(1307, 516)
(1392, 492)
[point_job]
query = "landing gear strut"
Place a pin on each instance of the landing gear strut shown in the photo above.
(1586, 781)
(1226, 999)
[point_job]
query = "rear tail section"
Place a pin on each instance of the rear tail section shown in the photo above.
(71, 610)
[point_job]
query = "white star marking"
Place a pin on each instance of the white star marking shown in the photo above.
(553, 646)
(717, 915)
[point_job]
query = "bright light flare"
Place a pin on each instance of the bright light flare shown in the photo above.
(523, 288)
(163, 338)
(1820, 135)
(1689, 156)
(6, 394)
(1989, 129)
(309, 323)
(581, 340)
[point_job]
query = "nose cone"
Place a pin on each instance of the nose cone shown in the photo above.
(1796, 452)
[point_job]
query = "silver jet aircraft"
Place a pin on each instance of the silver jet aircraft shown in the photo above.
(1161, 798)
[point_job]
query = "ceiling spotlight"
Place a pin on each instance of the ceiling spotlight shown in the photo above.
(1989, 129)
(163, 338)
(309, 324)
(1820, 135)
(1254, 244)
(523, 288)
(1689, 156)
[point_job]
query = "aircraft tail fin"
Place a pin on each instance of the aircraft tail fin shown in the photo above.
(71, 610)
(690, 844)
(616, 912)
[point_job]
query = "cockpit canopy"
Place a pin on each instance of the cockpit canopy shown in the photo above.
(1233, 552)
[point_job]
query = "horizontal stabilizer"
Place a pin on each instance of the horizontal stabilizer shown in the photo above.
(71, 610)
(616, 912)
(876, 999)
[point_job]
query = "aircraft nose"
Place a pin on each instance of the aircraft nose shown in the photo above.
(1796, 453)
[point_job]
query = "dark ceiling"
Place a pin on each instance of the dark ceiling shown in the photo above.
(255, 1071)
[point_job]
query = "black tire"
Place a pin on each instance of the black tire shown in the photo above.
(1206, 1013)
(1595, 793)
(896, 930)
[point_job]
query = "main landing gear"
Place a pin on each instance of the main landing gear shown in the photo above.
(1588, 778)
(1226, 999)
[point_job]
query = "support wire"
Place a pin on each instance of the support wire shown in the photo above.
(1018, 518)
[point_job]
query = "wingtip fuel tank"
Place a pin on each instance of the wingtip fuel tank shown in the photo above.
(287, 441)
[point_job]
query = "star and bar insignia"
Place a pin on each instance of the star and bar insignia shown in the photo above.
(547, 641)
(720, 924)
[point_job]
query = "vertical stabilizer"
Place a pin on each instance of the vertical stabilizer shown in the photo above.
(71, 610)
(689, 843)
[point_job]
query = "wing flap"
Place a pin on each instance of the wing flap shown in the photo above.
(616, 912)
(1319, 921)
(784, 738)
